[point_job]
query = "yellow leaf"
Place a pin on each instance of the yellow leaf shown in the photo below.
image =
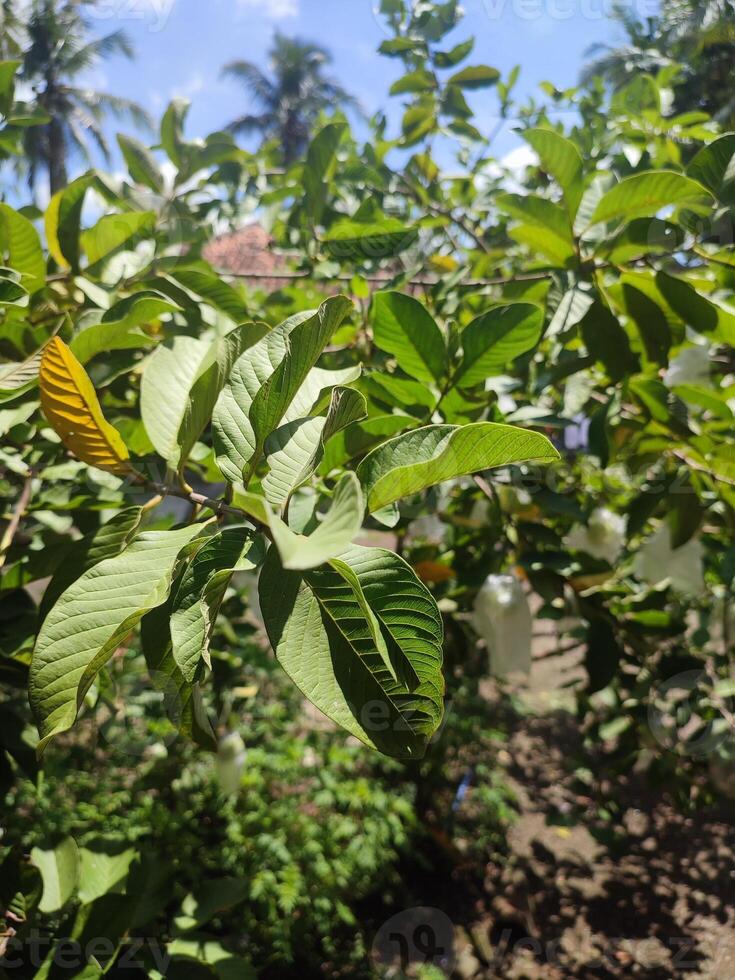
(70, 404)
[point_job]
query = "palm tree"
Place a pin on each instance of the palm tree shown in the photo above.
(289, 102)
(57, 51)
(696, 35)
(642, 51)
(11, 30)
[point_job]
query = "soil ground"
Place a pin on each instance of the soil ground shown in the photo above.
(650, 894)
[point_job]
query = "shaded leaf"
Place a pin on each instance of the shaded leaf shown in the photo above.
(200, 594)
(92, 618)
(496, 338)
(295, 450)
(326, 643)
(141, 163)
(403, 327)
(560, 158)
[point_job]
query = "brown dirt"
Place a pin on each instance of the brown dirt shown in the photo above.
(647, 893)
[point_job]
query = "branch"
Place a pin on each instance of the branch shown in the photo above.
(220, 507)
(18, 513)
(288, 275)
(447, 213)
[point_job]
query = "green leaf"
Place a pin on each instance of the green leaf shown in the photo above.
(545, 226)
(418, 121)
(12, 292)
(182, 700)
(571, 309)
(141, 163)
(421, 80)
(201, 281)
(326, 642)
(685, 515)
(212, 896)
(642, 236)
(305, 344)
(8, 71)
(113, 231)
(18, 378)
(234, 438)
(104, 867)
(646, 193)
(651, 323)
(399, 45)
(295, 450)
(360, 241)
(607, 341)
(92, 618)
(336, 532)
(59, 869)
(656, 399)
(319, 162)
(403, 327)
(17, 415)
(496, 338)
(20, 242)
(63, 219)
(359, 437)
(172, 130)
(420, 459)
(714, 167)
(710, 401)
(120, 326)
(701, 314)
(448, 59)
(642, 96)
(477, 76)
(181, 385)
(107, 541)
(209, 383)
(560, 158)
(200, 593)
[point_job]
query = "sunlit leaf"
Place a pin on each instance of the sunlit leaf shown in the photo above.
(412, 462)
(72, 408)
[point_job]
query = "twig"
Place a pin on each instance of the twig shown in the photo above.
(445, 213)
(219, 507)
(703, 469)
(18, 513)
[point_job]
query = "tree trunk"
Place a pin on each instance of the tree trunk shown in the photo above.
(56, 156)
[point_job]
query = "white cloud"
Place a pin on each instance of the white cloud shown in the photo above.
(191, 87)
(275, 9)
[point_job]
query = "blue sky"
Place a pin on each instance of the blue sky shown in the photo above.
(182, 44)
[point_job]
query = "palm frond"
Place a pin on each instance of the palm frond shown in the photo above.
(250, 123)
(253, 79)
